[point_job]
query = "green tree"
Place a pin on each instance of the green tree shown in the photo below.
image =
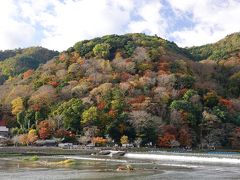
(120, 126)
(20, 119)
(186, 81)
(102, 50)
(180, 105)
(211, 99)
(191, 111)
(190, 93)
(233, 85)
(90, 116)
(70, 112)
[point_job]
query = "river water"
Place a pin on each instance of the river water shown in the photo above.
(149, 166)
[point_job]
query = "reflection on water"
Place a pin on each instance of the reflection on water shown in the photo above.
(88, 167)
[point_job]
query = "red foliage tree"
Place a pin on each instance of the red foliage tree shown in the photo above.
(166, 139)
(54, 83)
(169, 129)
(45, 129)
(101, 105)
(44, 133)
(226, 102)
(62, 133)
(66, 136)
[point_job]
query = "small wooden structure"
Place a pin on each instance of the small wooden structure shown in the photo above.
(4, 131)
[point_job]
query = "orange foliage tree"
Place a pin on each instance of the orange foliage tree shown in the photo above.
(99, 141)
(112, 113)
(27, 74)
(23, 139)
(46, 128)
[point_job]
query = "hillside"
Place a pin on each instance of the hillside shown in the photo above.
(134, 88)
(222, 49)
(14, 62)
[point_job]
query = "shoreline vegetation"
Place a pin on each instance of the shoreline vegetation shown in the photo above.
(50, 151)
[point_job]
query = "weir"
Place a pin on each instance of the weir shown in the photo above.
(183, 158)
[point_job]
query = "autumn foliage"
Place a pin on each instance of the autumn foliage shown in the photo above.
(112, 113)
(185, 138)
(165, 140)
(226, 102)
(236, 138)
(45, 129)
(53, 83)
(99, 141)
(138, 99)
(29, 138)
(17, 105)
(62, 133)
(27, 74)
(32, 136)
(101, 105)
(23, 139)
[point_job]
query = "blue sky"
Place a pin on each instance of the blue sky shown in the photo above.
(58, 24)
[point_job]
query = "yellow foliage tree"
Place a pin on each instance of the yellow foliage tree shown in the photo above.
(124, 139)
(32, 136)
(17, 105)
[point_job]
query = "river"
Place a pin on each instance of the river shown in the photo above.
(150, 166)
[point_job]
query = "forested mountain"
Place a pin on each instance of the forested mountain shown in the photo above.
(14, 62)
(222, 49)
(134, 88)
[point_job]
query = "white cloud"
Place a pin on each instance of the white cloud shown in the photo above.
(64, 22)
(13, 32)
(77, 20)
(58, 24)
(152, 20)
(212, 20)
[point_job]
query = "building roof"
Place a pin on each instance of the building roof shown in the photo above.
(3, 129)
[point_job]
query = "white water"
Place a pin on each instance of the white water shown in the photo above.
(182, 158)
(149, 165)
